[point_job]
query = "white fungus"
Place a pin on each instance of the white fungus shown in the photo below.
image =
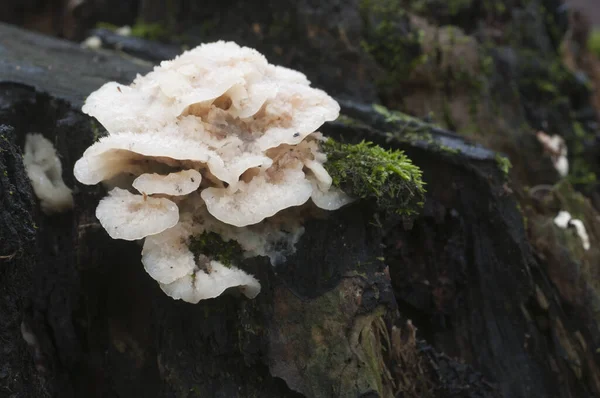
(260, 198)
(564, 220)
(581, 231)
(45, 172)
(556, 147)
(130, 217)
(123, 30)
(92, 42)
(210, 283)
(331, 199)
(175, 184)
(166, 256)
(225, 140)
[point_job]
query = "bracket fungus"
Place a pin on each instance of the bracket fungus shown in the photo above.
(215, 141)
(219, 150)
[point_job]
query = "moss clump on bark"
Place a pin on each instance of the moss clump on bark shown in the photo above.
(213, 246)
(141, 29)
(150, 31)
(503, 163)
(368, 171)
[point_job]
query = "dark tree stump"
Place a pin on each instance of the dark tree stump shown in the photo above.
(333, 321)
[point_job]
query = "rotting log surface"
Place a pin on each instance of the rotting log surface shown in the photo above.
(332, 321)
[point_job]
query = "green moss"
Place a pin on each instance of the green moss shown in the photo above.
(411, 130)
(394, 116)
(487, 64)
(523, 215)
(141, 29)
(282, 23)
(213, 246)
(572, 201)
(349, 121)
(503, 163)
(593, 43)
(368, 171)
(209, 27)
(581, 173)
(150, 31)
(107, 26)
(390, 40)
(456, 6)
(97, 130)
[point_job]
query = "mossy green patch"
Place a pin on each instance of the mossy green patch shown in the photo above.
(368, 171)
(456, 6)
(213, 246)
(150, 31)
(395, 116)
(390, 40)
(349, 121)
(97, 130)
(504, 163)
(581, 173)
(410, 129)
(107, 26)
(141, 29)
(593, 43)
(572, 201)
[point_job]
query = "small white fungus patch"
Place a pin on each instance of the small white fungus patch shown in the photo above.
(564, 220)
(45, 172)
(92, 42)
(211, 282)
(123, 30)
(556, 147)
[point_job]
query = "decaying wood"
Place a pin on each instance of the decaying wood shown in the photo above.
(337, 319)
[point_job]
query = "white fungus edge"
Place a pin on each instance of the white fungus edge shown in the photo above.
(44, 170)
(129, 216)
(202, 285)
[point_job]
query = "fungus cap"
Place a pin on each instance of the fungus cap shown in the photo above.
(332, 199)
(219, 104)
(175, 184)
(130, 217)
(202, 285)
(131, 153)
(258, 199)
(166, 255)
